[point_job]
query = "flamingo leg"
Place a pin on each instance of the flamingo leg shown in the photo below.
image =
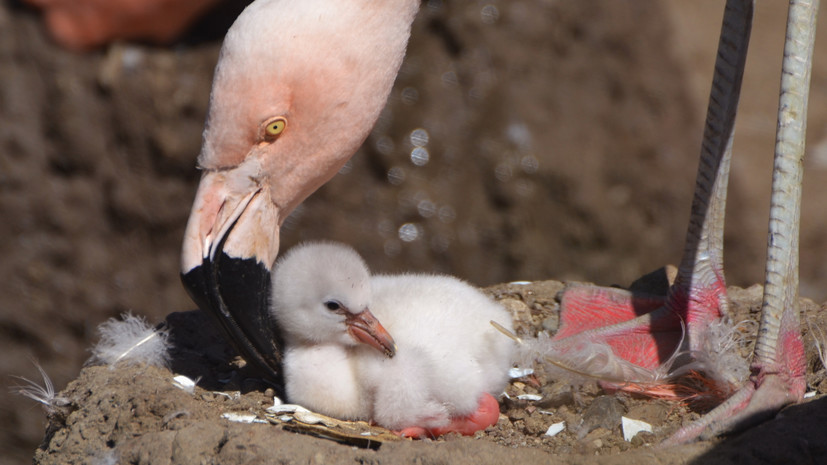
(698, 295)
(778, 366)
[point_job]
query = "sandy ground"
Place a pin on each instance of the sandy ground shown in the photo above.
(562, 142)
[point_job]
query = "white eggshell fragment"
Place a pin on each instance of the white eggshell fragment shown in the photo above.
(556, 428)
(184, 383)
(632, 427)
(242, 417)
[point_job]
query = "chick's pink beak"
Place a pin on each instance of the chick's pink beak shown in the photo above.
(365, 328)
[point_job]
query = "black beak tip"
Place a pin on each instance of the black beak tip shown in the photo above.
(236, 293)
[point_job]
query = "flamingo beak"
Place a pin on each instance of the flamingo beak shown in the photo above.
(365, 328)
(229, 248)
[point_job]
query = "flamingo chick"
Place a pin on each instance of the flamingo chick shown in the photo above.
(297, 88)
(437, 374)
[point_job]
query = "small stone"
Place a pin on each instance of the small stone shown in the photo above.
(556, 396)
(642, 438)
(605, 412)
(552, 323)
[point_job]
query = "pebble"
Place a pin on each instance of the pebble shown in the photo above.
(605, 411)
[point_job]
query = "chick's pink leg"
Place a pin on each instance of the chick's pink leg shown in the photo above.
(487, 414)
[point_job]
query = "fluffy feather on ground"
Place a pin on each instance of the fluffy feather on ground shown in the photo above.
(721, 357)
(131, 340)
(714, 371)
(44, 394)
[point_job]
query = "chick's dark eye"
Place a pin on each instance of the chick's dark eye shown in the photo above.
(333, 305)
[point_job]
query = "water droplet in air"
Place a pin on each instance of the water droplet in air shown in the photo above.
(396, 175)
(392, 247)
(447, 214)
(519, 135)
(489, 14)
(503, 172)
(384, 145)
(440, 243)
(419, 137)
(420, 156)
(426, 208)
(529, 164)
(409, 232)
(410, 96)
(384, 227)
(449, 79)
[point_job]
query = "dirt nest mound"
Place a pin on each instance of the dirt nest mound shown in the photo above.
(135, 414)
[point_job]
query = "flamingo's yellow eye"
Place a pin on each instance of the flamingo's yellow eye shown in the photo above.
(274, 127)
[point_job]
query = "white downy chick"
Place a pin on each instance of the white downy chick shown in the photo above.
(447, 353)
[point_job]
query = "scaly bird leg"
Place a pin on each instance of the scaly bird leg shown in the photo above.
(779, 364)
(640, 328)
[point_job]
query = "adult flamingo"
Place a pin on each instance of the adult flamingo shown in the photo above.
(297, 88)
(296, 92)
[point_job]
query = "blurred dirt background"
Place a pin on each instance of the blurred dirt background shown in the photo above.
(524, 140)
